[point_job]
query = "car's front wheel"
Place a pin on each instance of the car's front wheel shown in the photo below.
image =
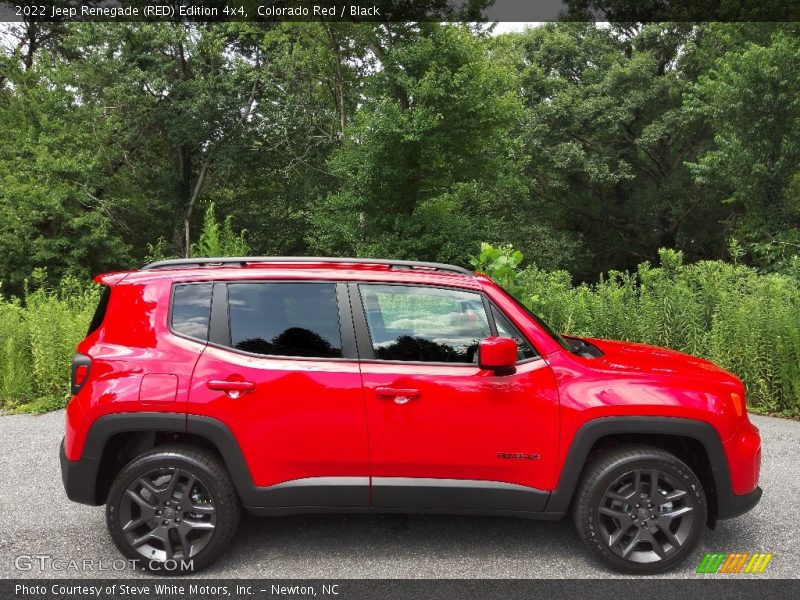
(640, 509)
(173, 509)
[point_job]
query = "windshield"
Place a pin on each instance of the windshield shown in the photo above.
(556, 336)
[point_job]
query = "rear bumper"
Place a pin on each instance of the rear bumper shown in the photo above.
(732, 505)
(79, 477)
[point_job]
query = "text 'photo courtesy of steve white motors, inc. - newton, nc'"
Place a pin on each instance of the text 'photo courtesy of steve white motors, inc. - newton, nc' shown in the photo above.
(159, 590)
(187, 10)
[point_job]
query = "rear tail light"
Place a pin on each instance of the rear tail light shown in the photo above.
(81, 366)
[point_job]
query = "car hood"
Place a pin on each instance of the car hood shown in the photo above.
(633, 357)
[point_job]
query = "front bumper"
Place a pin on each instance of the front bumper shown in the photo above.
(732, 505)
(79, 477)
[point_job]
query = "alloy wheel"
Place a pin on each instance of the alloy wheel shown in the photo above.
(167, 513)
(646, 515)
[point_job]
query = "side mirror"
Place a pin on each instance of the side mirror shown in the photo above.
(497, 353)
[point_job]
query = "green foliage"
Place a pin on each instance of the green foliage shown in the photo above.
(746, 322)
(588, 148)
(157, 251)
(219, 239)
(427, 168)
(500, 264)
(750, 97)
(39, 336)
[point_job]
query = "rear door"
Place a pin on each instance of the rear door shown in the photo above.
(444, 433)
(281, 372)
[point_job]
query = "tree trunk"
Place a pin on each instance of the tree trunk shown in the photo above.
(339, 84)
(187, 220)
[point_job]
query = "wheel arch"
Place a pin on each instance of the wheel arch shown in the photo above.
(116, 439)
(695, 442)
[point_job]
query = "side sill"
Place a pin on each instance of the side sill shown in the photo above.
(455, 494)
(284, 511)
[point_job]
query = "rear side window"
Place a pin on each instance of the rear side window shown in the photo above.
(285, 319)
(191, 309)
(100, 311)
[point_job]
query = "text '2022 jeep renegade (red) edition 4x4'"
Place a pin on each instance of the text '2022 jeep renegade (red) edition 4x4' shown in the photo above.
(300, 385)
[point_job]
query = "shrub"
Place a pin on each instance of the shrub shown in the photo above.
(746, 322)
(219, 239)
(39, 336)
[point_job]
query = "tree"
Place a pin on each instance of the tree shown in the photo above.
(608, 136)
(427, 163)
(51, 164)
(750, 98)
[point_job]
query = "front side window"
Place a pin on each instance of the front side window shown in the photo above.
(285, 319)
(505, 328)
(424, 324)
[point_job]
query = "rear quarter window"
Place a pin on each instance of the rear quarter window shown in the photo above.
(100, 311)
(191, 309)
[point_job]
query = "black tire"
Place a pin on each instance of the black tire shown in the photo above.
(630, 526)
(169, 502)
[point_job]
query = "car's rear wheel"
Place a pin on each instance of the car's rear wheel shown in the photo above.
(173, 509)
(640, 509)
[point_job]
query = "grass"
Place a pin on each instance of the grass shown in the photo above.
(744, 321)
(39, 333)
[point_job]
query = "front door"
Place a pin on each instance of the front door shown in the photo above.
(281, 373)
(444, 433)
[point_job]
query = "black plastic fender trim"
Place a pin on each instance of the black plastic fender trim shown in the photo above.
(728, 504)
(80, 476)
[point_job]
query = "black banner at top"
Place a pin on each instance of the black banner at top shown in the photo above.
(400, 10)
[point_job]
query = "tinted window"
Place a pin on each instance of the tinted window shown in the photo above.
(100, 311)
(191, 307)
(424, 324)
(285, 319)
(505, 328)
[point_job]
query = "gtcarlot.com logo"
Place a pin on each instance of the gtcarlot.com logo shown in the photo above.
(47, 562)
(737, 562)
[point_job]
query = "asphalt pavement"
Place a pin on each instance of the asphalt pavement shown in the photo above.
(37, 519)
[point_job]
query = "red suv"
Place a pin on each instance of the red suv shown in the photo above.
(323, 385)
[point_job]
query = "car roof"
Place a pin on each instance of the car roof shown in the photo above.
(301, 269)
(242, 261)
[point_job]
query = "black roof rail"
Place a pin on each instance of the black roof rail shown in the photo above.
(188, 263)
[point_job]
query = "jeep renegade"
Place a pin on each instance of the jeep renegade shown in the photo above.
(323, 385)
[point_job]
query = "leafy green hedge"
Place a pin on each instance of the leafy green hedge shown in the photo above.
(746, 322)
(38, 335)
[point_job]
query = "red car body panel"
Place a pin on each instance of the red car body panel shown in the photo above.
(455, 420)
(305, 418)
(308, 418)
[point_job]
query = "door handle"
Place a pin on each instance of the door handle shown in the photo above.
(398, 395)
(233, 389)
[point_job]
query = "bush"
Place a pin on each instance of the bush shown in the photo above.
(40, 331)
(39, 334)
(746, 322)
